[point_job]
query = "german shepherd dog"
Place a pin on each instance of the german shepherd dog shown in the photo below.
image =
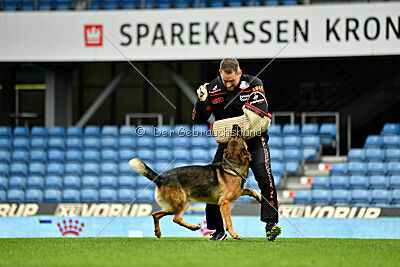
(220, 184)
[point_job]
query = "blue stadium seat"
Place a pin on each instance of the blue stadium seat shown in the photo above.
(91, 143)
(289, 2)
(74, 143)
(373, 141)
(145, 130)
(55, 155)
(109, 143)
(46, 5)
(327, 133)
(5, 143)
(37, 156)
(182, 130)
(145, 154)
(126, 154)
(71, 195)
(10, 5)
(16, 196)
(275, 142)
(147, 196)
(321, 182)
(184, 3)
(199, 142)
(212, 143)
(89, 195)
(379, 182)
(276, 154)
(4, 169)
(20, 156)
(275, 130)
(277, 168)
(235, 3)
(310, 142)
(109, 131)
(360, 197)
(2, 196)
(162, 166)
(74, 131)
(125, 169)
(180, 163)
(391, 129)
(391, 141)
(292, 142)
(392, 154)
(108, 195)
(359, 182)
(395, 181)
(309, 153)
(126, 195)
(163, 154)
(292, 155)
(374, 154)
(396, 197)
(162, 131)
(73, 156)
(291, 167)
(52, 195)
(200, 130)
(163, 142)
(21, 131)
(91, 156)
(377, 168)
(37, 169)
(341, 197)
(338, 169)
(309, 129)
(92, 131)
(109, 168)
(38, 143)
(3, 182)
(5, 132)
(72, 181)
(16, 181)
(393, 168)
(90, 181)
(57, 131)
(321, 197)
(55, 169)
(357, 168)
(127, 142)
(271, 2)
(19, 169)
(91, 168)
(302, 197)
(126, 181)
(356, 155)
(277, 180)
(291, 129)
(54, 181)
(127, 131)
(199, 154)
(340, 182)
(35, 181)
(143, 182)
(20, 143)
(381, 198)
(109, 155)
(108, 181)
(146, 142)
(34, 195)
(39, 131)
(181, 142)
(56, 143)
(97, 4)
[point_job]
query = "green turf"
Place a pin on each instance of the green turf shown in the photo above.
(198, 252)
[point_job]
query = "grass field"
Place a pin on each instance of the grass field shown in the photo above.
(198, 252)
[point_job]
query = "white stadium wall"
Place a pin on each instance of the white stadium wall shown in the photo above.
(191, 34)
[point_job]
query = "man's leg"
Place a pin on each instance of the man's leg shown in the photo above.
(213, 213)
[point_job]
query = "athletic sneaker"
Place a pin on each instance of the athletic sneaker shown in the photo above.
(273, 231)
(218, 236)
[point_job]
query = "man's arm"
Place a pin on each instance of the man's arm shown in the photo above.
(202, 109)
(257, 86)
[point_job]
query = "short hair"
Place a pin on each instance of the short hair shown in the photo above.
(229, 65)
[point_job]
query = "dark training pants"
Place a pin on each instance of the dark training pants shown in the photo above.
(261, 167)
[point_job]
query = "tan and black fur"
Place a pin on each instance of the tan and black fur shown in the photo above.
(213, 184)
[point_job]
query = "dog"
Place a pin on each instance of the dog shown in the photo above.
(220, 184)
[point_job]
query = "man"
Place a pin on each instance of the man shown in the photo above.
(225, 96)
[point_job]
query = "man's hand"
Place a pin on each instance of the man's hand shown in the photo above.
(202, 92)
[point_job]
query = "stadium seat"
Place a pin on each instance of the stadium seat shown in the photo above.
(277, 168)
(90, 181)
(5, 143)
(359, 182)
(74, 143)
(181, 142)
(3, 182)
(391, 141)
(126, 154)
(92, 131)
(374, 154)
(89, 195)
(163, 154)
(125, 169)
(71, 195)
(3, 196)
(127, 142)
(381, 198)
(55, 155)
(377, 168)
(91, 156)
(302, 197)
(97, 4)
(184, 3)
(396, 197)
(145, 130)
(162, 131)
(357, 168)
(199, 142)
(56, 143)
(321, 197)
(292, 155)
(291, 167)
(341, 197)
(291, 130)
(163, 142)
(74, 131)
(340, 182)
(356, 155)
(198, 154)
(5, 156)
(19, 169)
(392, 154)
(275, 142)
(275, 130)
(309, 129)
(180, 163)
(310, 142)
(292, 142)
(127, 131)
(108, 181)
(327, 132)
(91, 143)
(39, 131)
(91, 168)
(391, 129)
(57, 131)
(289, 2)
(52, 195)
(321, 182)
(271, 2)
(4, 169)
(55, 169)
(379, 182)
(395, 181)
(276, 154)
(5, 132)
(20, 156)
(20, 131)
(46, 5)
(109, 131)
(16, 196)
(34, 195)
(37, 156)
(109, 155)
(338, 169)
(145, 154)
(108, 195)
(393, 168)
(126, 195)
(309, 153)
(38, 143)
(143, 182)
(37, 169)
(54, 181)
(147, 196)
(126, 181)
(73, 156)
(17, 182)
(109, 168)
(360, 197)
(162, 166)
(20, 143)
(373, 141)
(212, 143)
(72, 181)
(35, 182)
(145, 142)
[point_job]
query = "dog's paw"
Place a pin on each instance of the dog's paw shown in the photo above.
(237, 237)
(195, 228)
(157, 233)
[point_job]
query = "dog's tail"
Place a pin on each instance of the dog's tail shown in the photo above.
(140, 167)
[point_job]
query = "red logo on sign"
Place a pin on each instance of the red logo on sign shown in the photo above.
(70, 227)
(94, 35)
